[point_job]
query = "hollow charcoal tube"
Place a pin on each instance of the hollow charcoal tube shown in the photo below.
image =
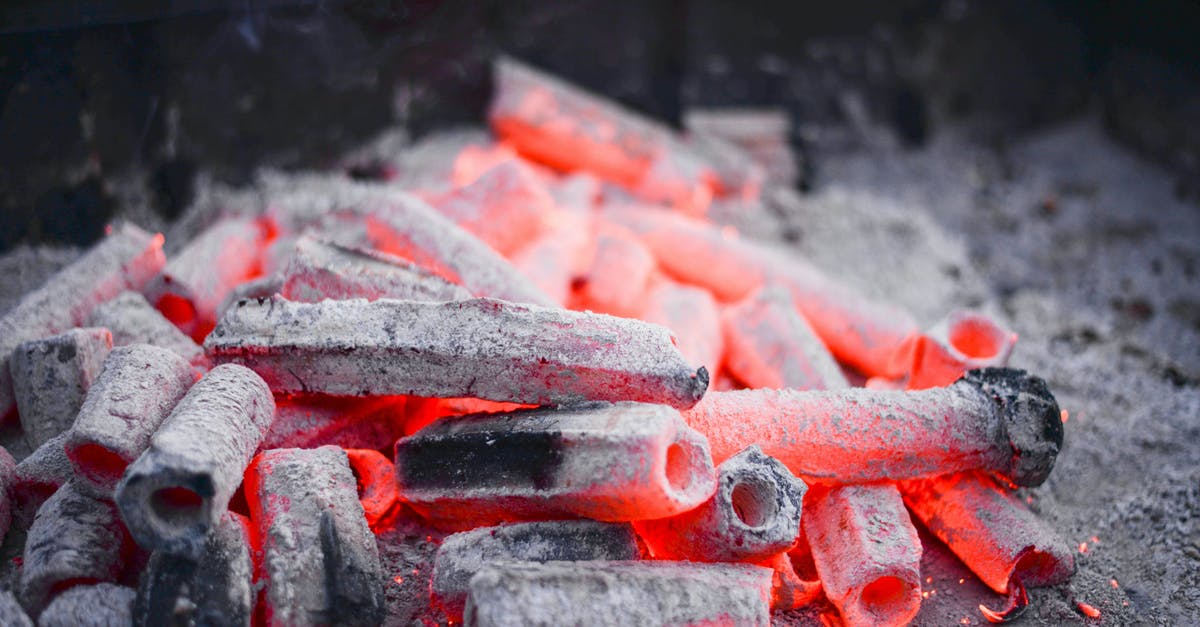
(503, 207)
(479, 348)
(376, 480)
(464, 554)
(858, 331)
(11, 612)
(8, 471)
(997, 419)
(990, 530)
(37, 477)
(770, 345)
(320, 269)
(100, 604)
(75, 539)
(754, 515)
(193, 283)
(866, 551)
(180, 487)
(52, 376)
(319, 559)
(137, 388)
(692, 315)
(126, 259)
(609, 462)
(212, 590)
(133, 321)
(619, 593)
(964, 340)
(312, 420)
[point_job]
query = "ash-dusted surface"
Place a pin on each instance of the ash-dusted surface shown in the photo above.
(481, 348)
(101, 605)
(133, 321)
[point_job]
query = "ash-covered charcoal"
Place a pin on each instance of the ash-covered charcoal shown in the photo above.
(866, 551)
(404, 225)
(560, 254)
(37, 477)
(692, 316)
(75, 539)
(764, 135)
(312, 420)
(11, 612)
(214, 589)
(376, 480)
(503, 207)
(618, 594)
(8, 471)
(99, 605)
(180, 487)
(195, 281)
(262, 287)
(962, 341)
(321, 269)
(770, 345)
(479, 348)
(52, 376)
(464, 554)
(990, 530)
(754, 515)
(612, 462)
(861, 332)
(133, 321)
(138, 387)
(619, 276)
(997, 419)
(318, 556)
(125, 260)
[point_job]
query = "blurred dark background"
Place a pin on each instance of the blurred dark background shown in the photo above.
(96, 97)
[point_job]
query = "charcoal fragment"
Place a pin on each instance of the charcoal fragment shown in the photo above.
(51, 377)
(321, 269)
(100, 605)
(37, 477)
(133, 321)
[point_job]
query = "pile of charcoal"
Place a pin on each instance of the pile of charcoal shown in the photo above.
(538, 352)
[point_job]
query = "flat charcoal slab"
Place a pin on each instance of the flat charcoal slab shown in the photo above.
(480, 348)
(620, 594)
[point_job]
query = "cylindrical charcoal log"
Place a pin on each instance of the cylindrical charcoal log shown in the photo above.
(51, 377)
(11, 612)
(137, 388)
(619, 276)
(612, 462)
(194, 281)
(997, 419)
(990, 530)
(312, 420)
(480, 348)
(321, 269)
(133, 321)
(754, 515)
(38, 476)
(866, 552)
(769, 344)
(125, 260)
(180, 487)
(100, 605)
(962, 341)
(318, 556)
(376, 480)
(74, 539)
(464, 554)
(210, 591)
(618, 594)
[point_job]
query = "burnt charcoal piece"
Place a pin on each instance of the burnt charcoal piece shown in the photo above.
(561, 253)
(996, 419)
(376, 480)
(11, 612)
(612, 462)
(861, 332)
(124, 260)
(212, 590)
(262, 287)
(962, 341)
(75, 539)
(99, 605)
(770, 345)
(754, 515)
(51, 377)
(309, 421)
(180, 487)
(691, 314)
(619, 594)
(319, 558)
(990, 530)
(464, 554)
(866, 552)
(194, 281)
(320, 269)
(37, 477)
(619, 275)
(480, 348)
(133, 321)
(8, 470)
(138, 387)
(504, 206)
